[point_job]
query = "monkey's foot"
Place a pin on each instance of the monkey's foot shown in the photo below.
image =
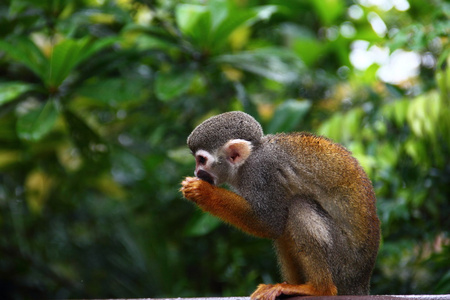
(272, 291)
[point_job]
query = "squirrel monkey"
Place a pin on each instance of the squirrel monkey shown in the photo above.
(305, 192)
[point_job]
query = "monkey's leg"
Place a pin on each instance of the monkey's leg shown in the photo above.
(303, 259)
(319, 284)
(224, 204)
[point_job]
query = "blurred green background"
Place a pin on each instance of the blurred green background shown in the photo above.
(97, 98)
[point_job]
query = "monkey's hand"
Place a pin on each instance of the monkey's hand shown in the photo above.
(272, 291)
(196, 190)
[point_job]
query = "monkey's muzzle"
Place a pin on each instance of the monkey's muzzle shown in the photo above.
(203, 175)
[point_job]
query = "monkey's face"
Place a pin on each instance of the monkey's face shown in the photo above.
(204, 163)
(221, 165)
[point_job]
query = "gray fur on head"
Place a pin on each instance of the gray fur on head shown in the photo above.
(217, 130)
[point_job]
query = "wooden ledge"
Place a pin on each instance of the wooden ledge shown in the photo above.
(371, 297)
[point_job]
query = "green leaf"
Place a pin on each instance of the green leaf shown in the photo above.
(23, 50)
(93, 47)
(18, 6)
(370, 74)
(219, 35)
(303, 42)
(11, 90)
(202, 225)
(115, 91)
(35, 124)
(443, 76)
(443, 285)
(209, 26)
(148, 42)
(64, 58)
(173, 84)
(220, 11)
(352, 123)
(288, 115)
(193, 20)
(264, 12)
(226, 17)
(387, 155)
(332, 128)
(277, 64)
(397, 111)
(417, 151)
(86, 139)
(423, 115)
(309, 50)
(328, 10)
(68, 54)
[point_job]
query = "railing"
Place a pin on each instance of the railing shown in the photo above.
(371, 297)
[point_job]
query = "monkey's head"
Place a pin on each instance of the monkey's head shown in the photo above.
(222, 143)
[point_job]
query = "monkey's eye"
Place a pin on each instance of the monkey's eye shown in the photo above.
(201, 160)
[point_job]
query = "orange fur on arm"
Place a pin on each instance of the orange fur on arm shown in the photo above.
(227, 205)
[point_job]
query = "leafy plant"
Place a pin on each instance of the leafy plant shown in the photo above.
(97, 99)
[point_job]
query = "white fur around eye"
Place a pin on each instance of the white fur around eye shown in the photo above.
(209, 158)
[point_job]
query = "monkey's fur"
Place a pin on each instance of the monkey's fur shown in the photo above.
(305, 192)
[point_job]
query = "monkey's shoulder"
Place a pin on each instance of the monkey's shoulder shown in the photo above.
(304, 143)
(309, 154)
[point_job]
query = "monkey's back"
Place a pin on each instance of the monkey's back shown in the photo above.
(325, 183)
(322, 167)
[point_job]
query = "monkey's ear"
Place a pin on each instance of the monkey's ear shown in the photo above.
(237, 151)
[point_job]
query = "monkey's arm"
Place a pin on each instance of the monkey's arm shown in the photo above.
(228, 206)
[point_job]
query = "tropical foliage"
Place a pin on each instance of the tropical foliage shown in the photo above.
(97, 98)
